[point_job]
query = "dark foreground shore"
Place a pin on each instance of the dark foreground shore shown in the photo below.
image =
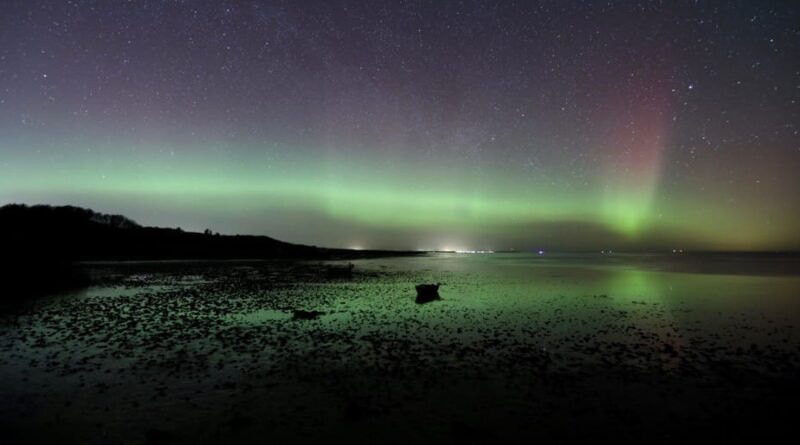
(213, 353)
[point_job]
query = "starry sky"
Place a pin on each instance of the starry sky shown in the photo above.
(412, 124)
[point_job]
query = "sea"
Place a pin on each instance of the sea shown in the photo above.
(519, 347)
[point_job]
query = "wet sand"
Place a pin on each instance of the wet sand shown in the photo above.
(518, 349)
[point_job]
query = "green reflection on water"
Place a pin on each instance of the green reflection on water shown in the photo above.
(516, 281)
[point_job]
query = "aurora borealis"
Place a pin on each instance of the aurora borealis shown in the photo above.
(412, 125)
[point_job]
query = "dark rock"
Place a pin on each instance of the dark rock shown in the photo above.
(427, 293)
(306, 315)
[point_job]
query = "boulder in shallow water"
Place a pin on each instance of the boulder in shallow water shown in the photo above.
(427, 293)
(306, 315)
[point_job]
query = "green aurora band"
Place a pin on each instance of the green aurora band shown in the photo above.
(458, 205)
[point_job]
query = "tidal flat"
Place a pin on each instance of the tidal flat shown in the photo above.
(520, 347)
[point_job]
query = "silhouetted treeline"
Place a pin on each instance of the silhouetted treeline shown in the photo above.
(40, 247)
(71, 233)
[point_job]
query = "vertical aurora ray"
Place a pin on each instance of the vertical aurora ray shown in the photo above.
(633, 162)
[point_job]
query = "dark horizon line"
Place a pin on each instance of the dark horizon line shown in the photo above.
(209, 232)
(615, 252)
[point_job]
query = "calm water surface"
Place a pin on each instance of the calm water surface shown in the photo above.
(731, 284)
(519, 346)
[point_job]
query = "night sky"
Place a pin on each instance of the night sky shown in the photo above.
(412, 125)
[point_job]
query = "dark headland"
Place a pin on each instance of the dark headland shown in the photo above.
(57, 238)
(78, 234)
